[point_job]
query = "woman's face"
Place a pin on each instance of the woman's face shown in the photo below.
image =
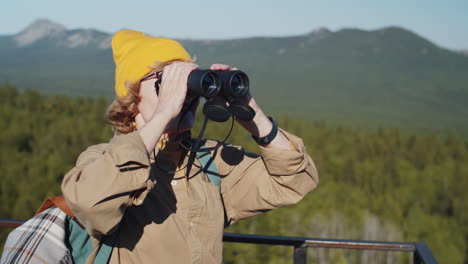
(147, 106)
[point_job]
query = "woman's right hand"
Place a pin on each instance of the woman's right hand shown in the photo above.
(173, 89)
(158, 111)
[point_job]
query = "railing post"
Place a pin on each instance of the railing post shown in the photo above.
(416, 258)
(423, 254)
(300, 255)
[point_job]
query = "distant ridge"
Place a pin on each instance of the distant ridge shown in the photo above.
(39, 29)
(388, 76)
(46, 30)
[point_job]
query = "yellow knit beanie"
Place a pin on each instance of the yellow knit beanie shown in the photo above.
(134, 52)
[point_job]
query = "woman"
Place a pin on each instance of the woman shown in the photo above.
(135, 186)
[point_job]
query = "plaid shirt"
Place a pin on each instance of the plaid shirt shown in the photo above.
(40, 240)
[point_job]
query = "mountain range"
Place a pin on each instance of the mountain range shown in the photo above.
(389, 76)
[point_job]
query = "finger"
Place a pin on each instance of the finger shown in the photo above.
(178, 71)
(194, 66)
(186, 69)
(217, 67)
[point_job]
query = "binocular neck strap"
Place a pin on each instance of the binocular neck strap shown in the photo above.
(195, 148)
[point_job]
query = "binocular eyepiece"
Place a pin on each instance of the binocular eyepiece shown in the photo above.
(230, 85)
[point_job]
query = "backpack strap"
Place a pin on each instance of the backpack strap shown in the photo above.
(209, 167)
(80, 243)
(105, 250)
(77, 237)
(59, 202)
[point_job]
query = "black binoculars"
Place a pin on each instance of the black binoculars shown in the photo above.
(229, 85)
(208, 83)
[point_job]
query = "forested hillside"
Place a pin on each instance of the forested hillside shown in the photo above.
(381, 185)
(355, 77)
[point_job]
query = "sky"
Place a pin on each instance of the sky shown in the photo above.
(443, 22)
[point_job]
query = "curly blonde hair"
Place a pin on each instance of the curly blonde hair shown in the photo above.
(122, 111)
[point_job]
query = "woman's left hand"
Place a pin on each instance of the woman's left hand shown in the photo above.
(222, 67)
(260, 125)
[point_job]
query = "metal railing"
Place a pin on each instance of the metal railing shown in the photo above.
(422, 254)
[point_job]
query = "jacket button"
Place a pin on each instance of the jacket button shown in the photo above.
(173, 182)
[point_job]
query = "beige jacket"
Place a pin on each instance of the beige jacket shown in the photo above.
(117, 187)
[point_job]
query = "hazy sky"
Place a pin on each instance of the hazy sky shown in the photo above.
(443, 22)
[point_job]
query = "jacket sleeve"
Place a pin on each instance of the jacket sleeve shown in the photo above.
(253, 184)
(106, 179)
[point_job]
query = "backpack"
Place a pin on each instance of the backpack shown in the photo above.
(54, 235)
(41, 239)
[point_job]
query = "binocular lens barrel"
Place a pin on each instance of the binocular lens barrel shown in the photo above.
(203, 83)
(235, 83)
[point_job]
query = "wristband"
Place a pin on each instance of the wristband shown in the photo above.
(268, 138)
